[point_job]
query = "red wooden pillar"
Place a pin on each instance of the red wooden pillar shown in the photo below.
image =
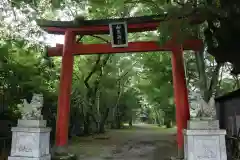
(65, 91)
(180, 95)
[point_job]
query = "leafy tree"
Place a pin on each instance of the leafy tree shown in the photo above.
(111, 89)
(24, 71)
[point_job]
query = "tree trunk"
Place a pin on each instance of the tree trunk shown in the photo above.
(98, 114)
(102, 128)
(118, 124)
(130, 123)
(158, 121)
(213, 84)
(168, 124)
(206, 92)
(117, 120)
(86, 124)
(92, 91)
(201, 72)
(103, 120)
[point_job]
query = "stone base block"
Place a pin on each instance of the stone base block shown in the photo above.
(32, 123)
(30, 143)
(203, 124)
(204, 144)
(47, 157)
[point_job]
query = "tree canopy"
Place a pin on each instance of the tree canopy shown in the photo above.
(114, 89)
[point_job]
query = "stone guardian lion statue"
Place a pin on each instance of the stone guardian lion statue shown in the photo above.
(32, 110)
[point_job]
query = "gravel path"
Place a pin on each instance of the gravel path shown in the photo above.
(143, 142)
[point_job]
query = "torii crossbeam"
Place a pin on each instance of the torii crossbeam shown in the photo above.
(90, 27)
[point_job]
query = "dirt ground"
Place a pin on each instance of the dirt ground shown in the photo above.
(142, 142)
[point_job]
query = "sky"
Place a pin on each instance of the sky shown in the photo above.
(52, 40)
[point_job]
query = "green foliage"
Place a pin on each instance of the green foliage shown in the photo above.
(23, 72)
(116, 91)
(179, 30)
(165, 33)
(156, 85)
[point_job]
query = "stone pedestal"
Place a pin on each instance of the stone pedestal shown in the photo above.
(203, 124)
(203, 140)
(30, 141)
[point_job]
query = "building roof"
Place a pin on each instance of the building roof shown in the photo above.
(228, 96)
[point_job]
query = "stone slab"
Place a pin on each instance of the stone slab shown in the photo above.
(204, 132)
(24, 129)
(30, 142)
(204, 145)
(46, 157)
(32, 123)
(203, 124)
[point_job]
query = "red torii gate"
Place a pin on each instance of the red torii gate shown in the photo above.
(90, 27)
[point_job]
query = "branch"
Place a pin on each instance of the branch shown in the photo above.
(119, 93)
(220, 80)
(13, 11)
(106, 60)
(123, 75)
(93, 91)
(120, 77)
(79, 39)
(94, 69)
(93, 116)
(77, 75)
(70, 10)
(214, 79)
(101, 73)
(80, 69)
(99, 37)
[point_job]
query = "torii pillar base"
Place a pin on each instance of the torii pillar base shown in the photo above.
(60, 153)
